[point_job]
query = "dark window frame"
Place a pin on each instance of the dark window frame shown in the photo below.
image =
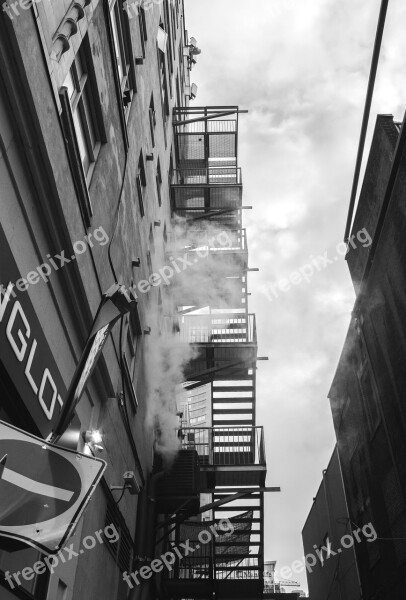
(158, 178)
(152, 119)
(178, 92)
(174, 29)
(128, 382)
(85, 104)
(163, 81)
(171, 169)
(150, 250)
(126, 85)
(141, 183)
(127, 82)
(168, 30)
(142, 24)
(181, 64)
(149, 262)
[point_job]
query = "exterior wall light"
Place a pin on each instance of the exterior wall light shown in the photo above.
(93, 439)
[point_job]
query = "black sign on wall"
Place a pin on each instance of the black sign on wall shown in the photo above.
(24, 350)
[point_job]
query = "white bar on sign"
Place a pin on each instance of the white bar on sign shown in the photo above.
(35, 487)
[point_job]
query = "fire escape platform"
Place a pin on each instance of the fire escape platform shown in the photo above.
(235, 476)
(243, 589)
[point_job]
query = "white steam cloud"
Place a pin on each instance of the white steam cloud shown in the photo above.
(207, 281)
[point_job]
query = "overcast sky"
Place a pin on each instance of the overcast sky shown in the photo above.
(301, 69)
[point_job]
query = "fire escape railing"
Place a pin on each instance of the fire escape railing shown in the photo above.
(226, 446)
(218, 328)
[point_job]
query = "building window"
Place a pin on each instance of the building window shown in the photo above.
(170, 171)
(178, 92)
(159, 182)
(167, 28)
(82, 124)
(149, 262)
(181, 63)
(141, 184)
(150, 251)
(130, 355)
(82, 104)
(124, 61)
(128, 368)
(164, 85)
(173, 30)
(152, 120)
(142, 22)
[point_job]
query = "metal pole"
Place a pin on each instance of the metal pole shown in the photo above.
(367, 110)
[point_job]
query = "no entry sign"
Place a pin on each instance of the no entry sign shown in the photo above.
(44, 489)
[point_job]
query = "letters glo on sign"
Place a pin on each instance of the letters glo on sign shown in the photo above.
(25, 353)
(24, 350)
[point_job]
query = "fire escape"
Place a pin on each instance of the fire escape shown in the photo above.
(214, 320)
